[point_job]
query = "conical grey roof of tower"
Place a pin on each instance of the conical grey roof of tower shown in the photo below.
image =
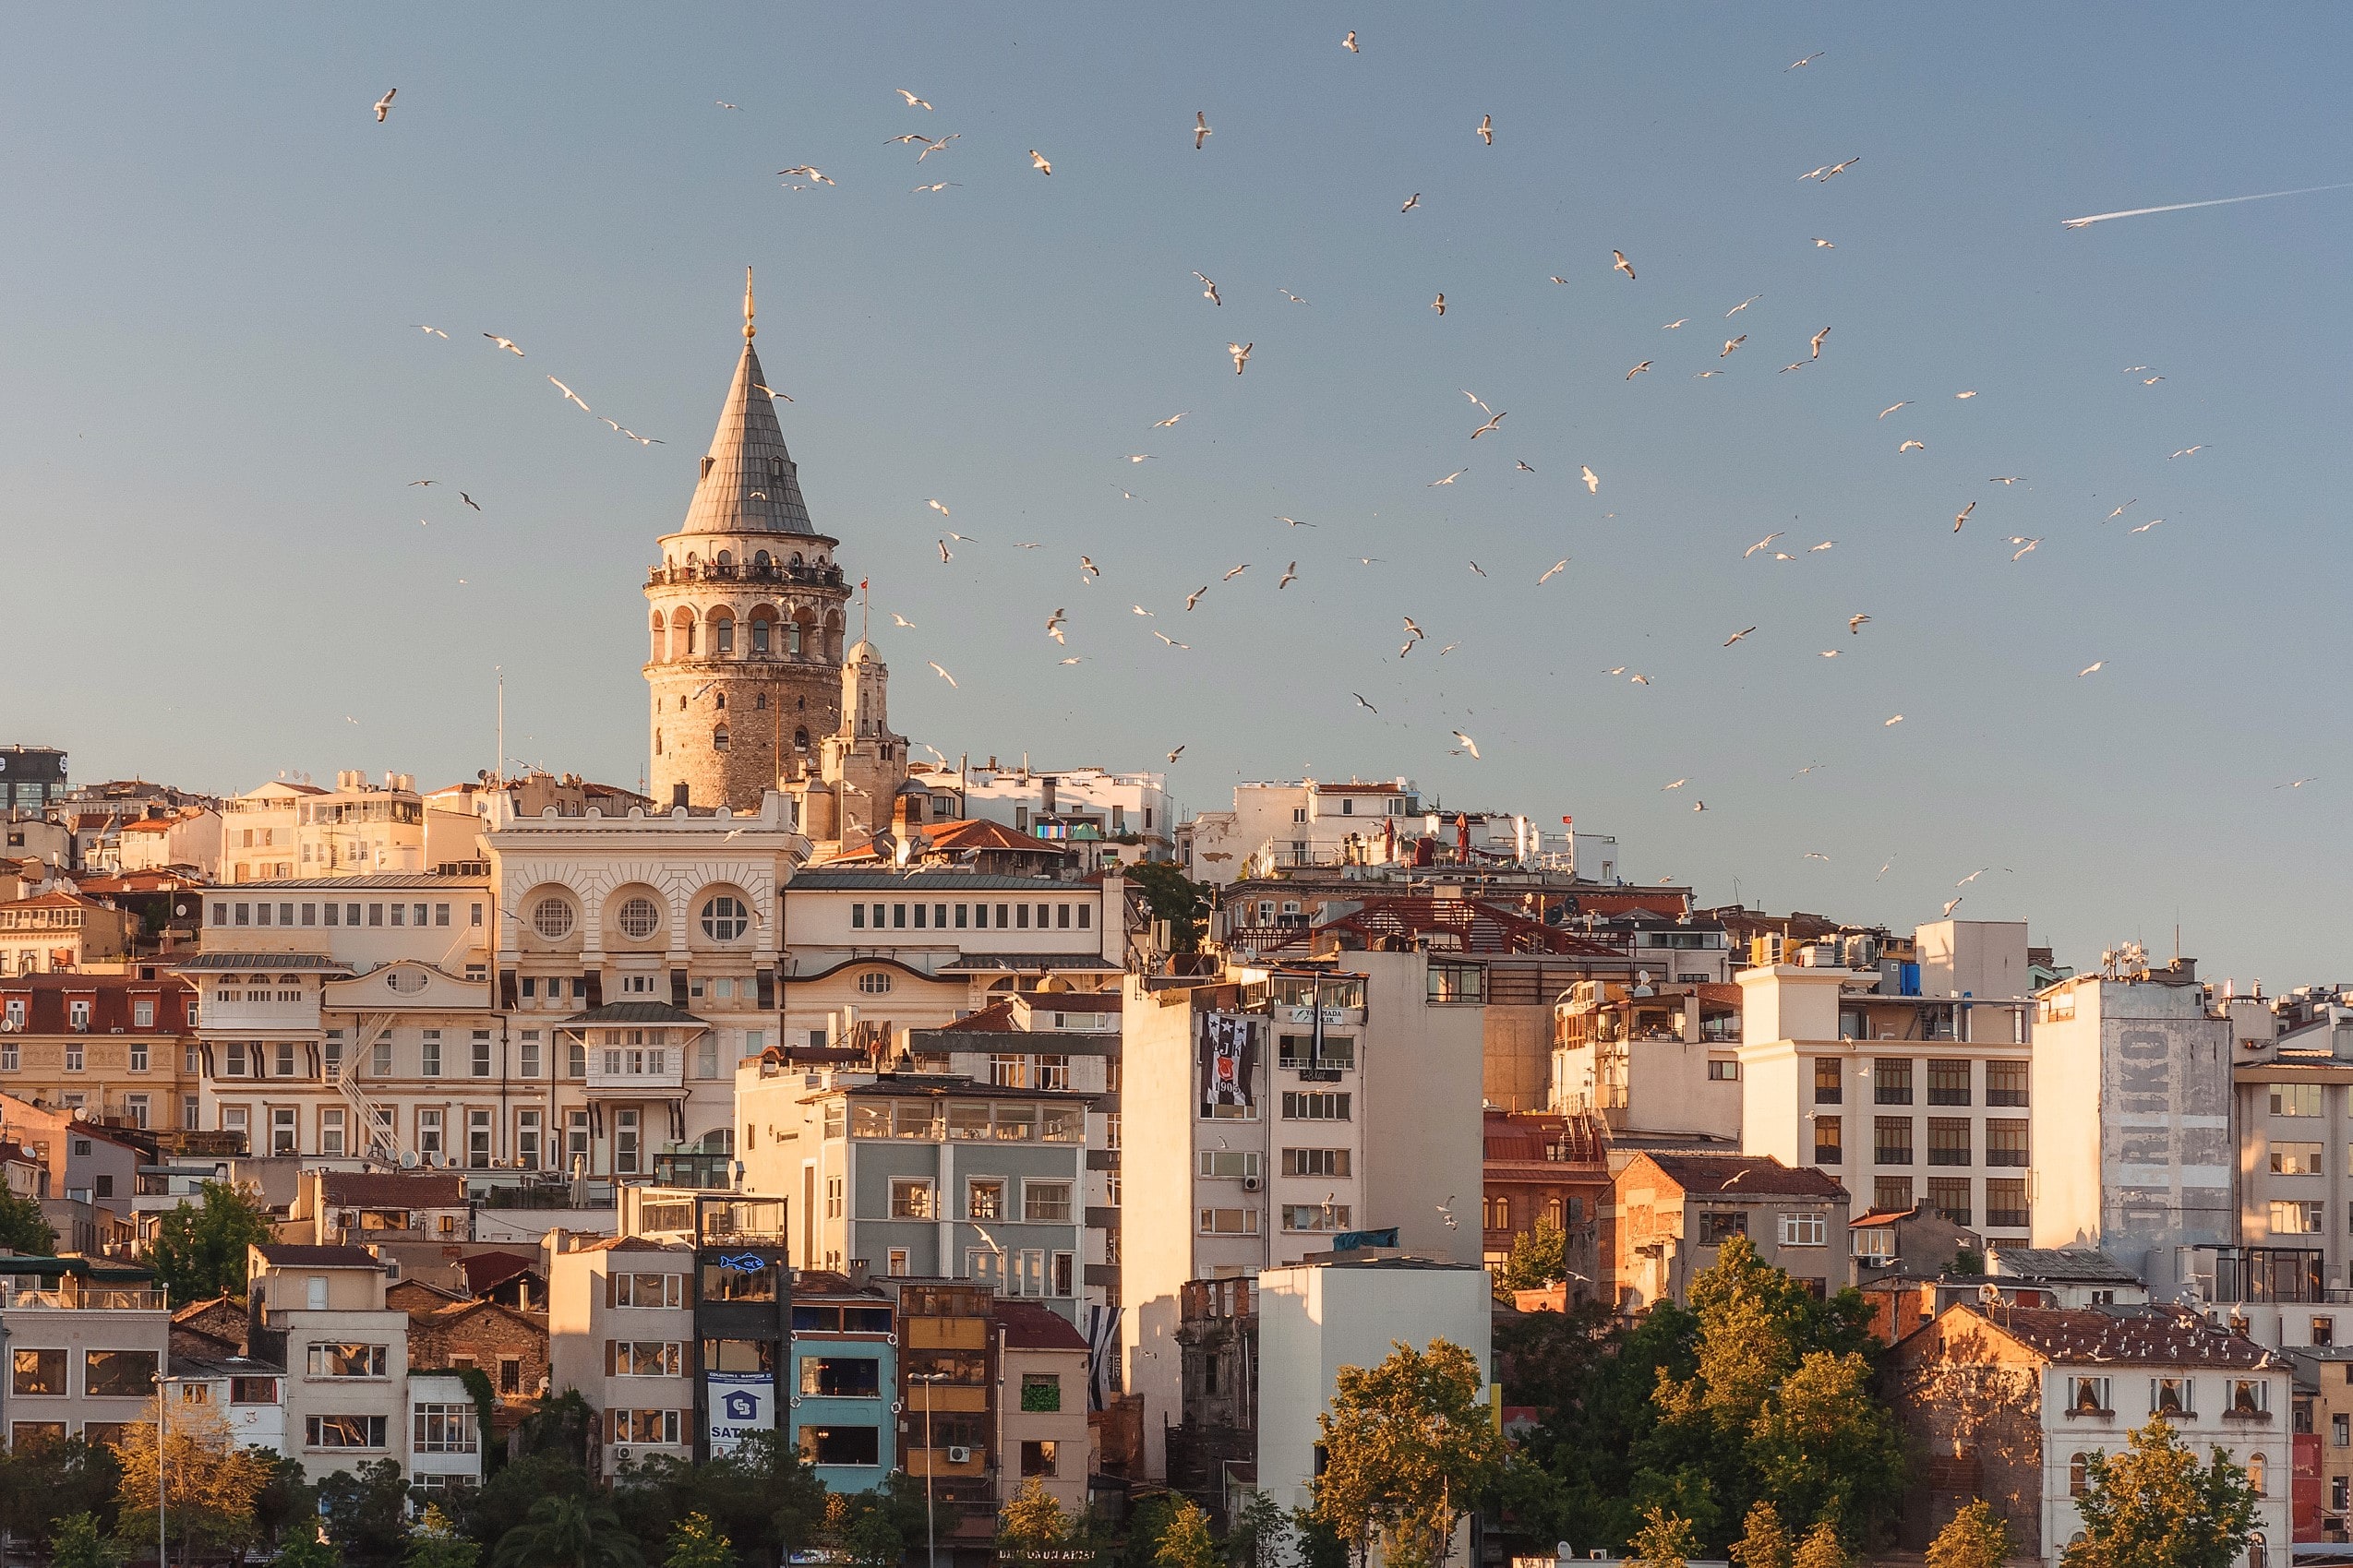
(748, 483)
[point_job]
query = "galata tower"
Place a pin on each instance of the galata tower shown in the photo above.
(746, 611)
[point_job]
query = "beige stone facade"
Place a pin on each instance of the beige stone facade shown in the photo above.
(745, 617)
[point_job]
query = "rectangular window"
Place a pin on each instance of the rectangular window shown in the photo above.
(481, 1055)
(1225, 1165)
(898, 914)
(346, 1361)
(1892, 1194)
(1891, 1081)
(642, 1358)
(2006, 1082)
(1723, 1071)
(841, 1445)
(1718, 1225)
(984, 1198)
(343, 1431)
(2006, 1203)
(841, 1377)
(2296, 1159)
(444, 1428)
(430, 1054)
(379, 1058)
(1804, 1231)
(648, 1289)
(1041, 1392)
(285, 1059)
(1227, 1222)
(478, 1140)
(2170, 1396)
(2296, 1217)
(2324, 1331)
(330, 1132)
(2006, 1142)
(143, 1015)
(2088, 1397)
(1295, 1051)
(428, 1134)
(1891, 1140)
(1315, 1162)
(283, 1137)
(911, 1199)
(527, 1136)
(1829, 1134)
(1045, 1202)
(1948, 1195)
(39, 1372)
(1317, 1216)
(1306, 1106)
(2296, 1099)
(1085, 914)
(1829, 1080)
(1949, 1140)
(1947, 1082)
(527, 1054)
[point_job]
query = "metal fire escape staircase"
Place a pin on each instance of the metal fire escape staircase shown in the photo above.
(374, 1136)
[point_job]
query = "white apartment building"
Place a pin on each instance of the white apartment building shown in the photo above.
(1315, 1319)
(1269, 1110)
(1086, 809)
(293, 828)
(1303, 823)
(2133, 1071)
(621, 1330)
(320, 1312)
(1905, 1099)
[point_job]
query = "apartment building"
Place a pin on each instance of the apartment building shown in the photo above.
(1062, 1040)
(1269, 1111)
(1548, 1170)
(845, 1379)
(1651, 1059)
(62, 930)
(621, 1330)
(2133, 1071)
(1906, 1098)
(1303, 823)
(1110, 816)
(250, 1395)
(1672, 1212)
(1042, 1360)
(87, 1341)
(950, 1395)
(320, 1312)
(110, 1047)
(918, 1175)
(294, 828)
(2026, 1397)
(876, 953)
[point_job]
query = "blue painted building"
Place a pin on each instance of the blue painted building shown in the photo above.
(844, 1380)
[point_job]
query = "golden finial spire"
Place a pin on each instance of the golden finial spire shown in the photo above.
(747, 327)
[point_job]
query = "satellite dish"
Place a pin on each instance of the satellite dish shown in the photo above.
(1989, 1294)
(408, 1159)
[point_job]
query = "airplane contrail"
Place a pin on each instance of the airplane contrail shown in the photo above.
(2186, 206)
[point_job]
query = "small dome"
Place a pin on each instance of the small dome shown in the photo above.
(862, 652)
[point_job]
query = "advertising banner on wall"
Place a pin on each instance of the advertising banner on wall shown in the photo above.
(739, 1404)
(1228, 1062)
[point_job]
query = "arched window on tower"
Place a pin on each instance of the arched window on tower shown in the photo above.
(719, 738)
(801, 742)
(760, 638)
(722, 635)
(759, 703)
(657, 743)
(658, 637)
(720, 701)
(761, 563)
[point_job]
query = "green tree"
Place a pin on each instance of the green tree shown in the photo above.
(1261, 1534)
(759, 1496)
(1821, 1548)
(436, 1543)
(1765, 1541)
(1410, 1448)
(1825, 1448)
(308, 1549)
(1186, 1543)
(1032, 1520)
(23, 1228)
(487, 1512)
(699, 1543)
(1539, 1257)
(872, 1540)
(77, 1542)
(44, 1480)
(2154, 1506)
(1977, 1537)
(366, 1511)
(569, 1532)
(199, 1253)
(1319, 1545)
(1173, 897)
(1665, 1540)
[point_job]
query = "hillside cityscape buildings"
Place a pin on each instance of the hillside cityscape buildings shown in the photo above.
(905, 1111)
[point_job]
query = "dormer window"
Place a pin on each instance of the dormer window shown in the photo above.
(775, 471)
(707, 461)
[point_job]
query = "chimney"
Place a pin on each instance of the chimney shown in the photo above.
(858, 1268)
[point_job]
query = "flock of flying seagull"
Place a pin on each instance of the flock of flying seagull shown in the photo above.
(805, 176)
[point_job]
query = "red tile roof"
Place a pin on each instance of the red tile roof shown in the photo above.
(1029, 1327)
(994, 1019)
(1744, 1176)
(2154, 1338)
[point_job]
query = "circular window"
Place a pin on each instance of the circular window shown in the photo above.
(552, 919)
(725, 918)
(639, 917)
(407, 982)
(874, 982)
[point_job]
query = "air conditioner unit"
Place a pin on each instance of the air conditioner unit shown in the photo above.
(959, 1456)
(1252, 1183)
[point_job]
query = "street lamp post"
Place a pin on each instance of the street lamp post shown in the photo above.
(931, 1536)
(162, 1424)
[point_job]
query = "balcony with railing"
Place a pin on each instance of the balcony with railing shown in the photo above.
(70, 1294)
(622, 1069)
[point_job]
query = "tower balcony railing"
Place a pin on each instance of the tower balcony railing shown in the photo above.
(711, 572)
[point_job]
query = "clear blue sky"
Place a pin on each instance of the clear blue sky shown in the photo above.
(215, 399)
